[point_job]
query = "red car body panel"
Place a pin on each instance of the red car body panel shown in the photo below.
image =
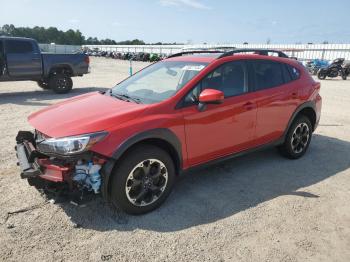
(53, 173)
(239, 123)
(83, 114)
(229, 128)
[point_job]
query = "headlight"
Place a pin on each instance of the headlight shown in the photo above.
(70, 145)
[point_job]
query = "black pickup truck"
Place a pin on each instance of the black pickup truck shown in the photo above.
(21, 59)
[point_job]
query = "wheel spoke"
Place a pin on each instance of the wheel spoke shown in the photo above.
(154, 189)
(141, 195)
(146, 166)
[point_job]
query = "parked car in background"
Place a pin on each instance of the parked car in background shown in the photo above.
(132, 141)
(21, 59)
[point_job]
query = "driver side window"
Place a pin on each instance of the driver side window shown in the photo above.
(230, 78)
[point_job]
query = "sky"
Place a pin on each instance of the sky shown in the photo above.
(189, 21)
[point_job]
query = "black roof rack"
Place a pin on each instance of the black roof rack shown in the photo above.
(256, 51)
(232, 52)
(195, 52)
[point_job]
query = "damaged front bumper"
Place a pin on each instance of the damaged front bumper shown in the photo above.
(81, 172)
(34, 164)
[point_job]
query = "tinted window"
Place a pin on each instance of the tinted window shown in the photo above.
(18, 47)
(229, 78)
(286, 75)
(267, 74)
(294, 72)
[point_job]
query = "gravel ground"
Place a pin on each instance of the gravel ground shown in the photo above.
(259, 207)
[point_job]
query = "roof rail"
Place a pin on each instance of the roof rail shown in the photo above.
(195, 52)
(217, 50)
(257, 51)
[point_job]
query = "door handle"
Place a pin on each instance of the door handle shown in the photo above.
(249, 106)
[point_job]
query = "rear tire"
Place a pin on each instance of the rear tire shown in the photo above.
(344, 75)
(60, 84)
(298, 138)
(142, 180)
(43, 84)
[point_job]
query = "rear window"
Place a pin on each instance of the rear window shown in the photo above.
(294, 72)
(18, 47)
(267, 74)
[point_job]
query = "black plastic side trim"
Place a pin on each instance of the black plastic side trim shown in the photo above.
(160, 133)
(242, 153)
(309, 104)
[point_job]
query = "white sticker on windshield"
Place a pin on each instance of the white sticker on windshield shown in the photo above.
(193, 67)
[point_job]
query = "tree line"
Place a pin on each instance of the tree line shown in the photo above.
(69, 37)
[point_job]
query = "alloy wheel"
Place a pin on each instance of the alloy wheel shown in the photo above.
(146, 182)
(300, 138)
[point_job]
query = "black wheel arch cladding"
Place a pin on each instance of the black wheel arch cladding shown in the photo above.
(309, 105)
(162, 137)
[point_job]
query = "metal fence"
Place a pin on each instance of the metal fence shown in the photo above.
(301, 51)
(154, 49)
(60, 49)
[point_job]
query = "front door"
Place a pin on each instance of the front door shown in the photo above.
(23, 60)
(225, 128)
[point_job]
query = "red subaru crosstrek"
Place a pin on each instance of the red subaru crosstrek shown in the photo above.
(131, 142)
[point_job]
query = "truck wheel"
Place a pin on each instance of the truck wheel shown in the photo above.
(298, 138)
(60, 84)
(43, 84)
(142, 180)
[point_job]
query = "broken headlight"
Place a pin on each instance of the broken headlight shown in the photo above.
(70, 145)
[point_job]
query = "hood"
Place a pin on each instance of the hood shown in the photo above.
(83, 114)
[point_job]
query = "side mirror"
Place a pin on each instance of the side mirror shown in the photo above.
(210, 96)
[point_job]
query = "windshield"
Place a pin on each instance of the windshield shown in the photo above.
(157, 82)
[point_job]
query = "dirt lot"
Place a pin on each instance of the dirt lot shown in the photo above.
(259, 207)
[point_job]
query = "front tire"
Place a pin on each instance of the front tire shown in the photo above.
(60, 83)
(298, 138)
(142, 180)
(321, 75)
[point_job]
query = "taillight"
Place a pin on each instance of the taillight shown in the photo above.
(87, 59)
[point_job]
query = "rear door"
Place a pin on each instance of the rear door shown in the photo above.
(276, 97)
(23, 59)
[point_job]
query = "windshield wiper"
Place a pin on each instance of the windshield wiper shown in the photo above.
(125, 97)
